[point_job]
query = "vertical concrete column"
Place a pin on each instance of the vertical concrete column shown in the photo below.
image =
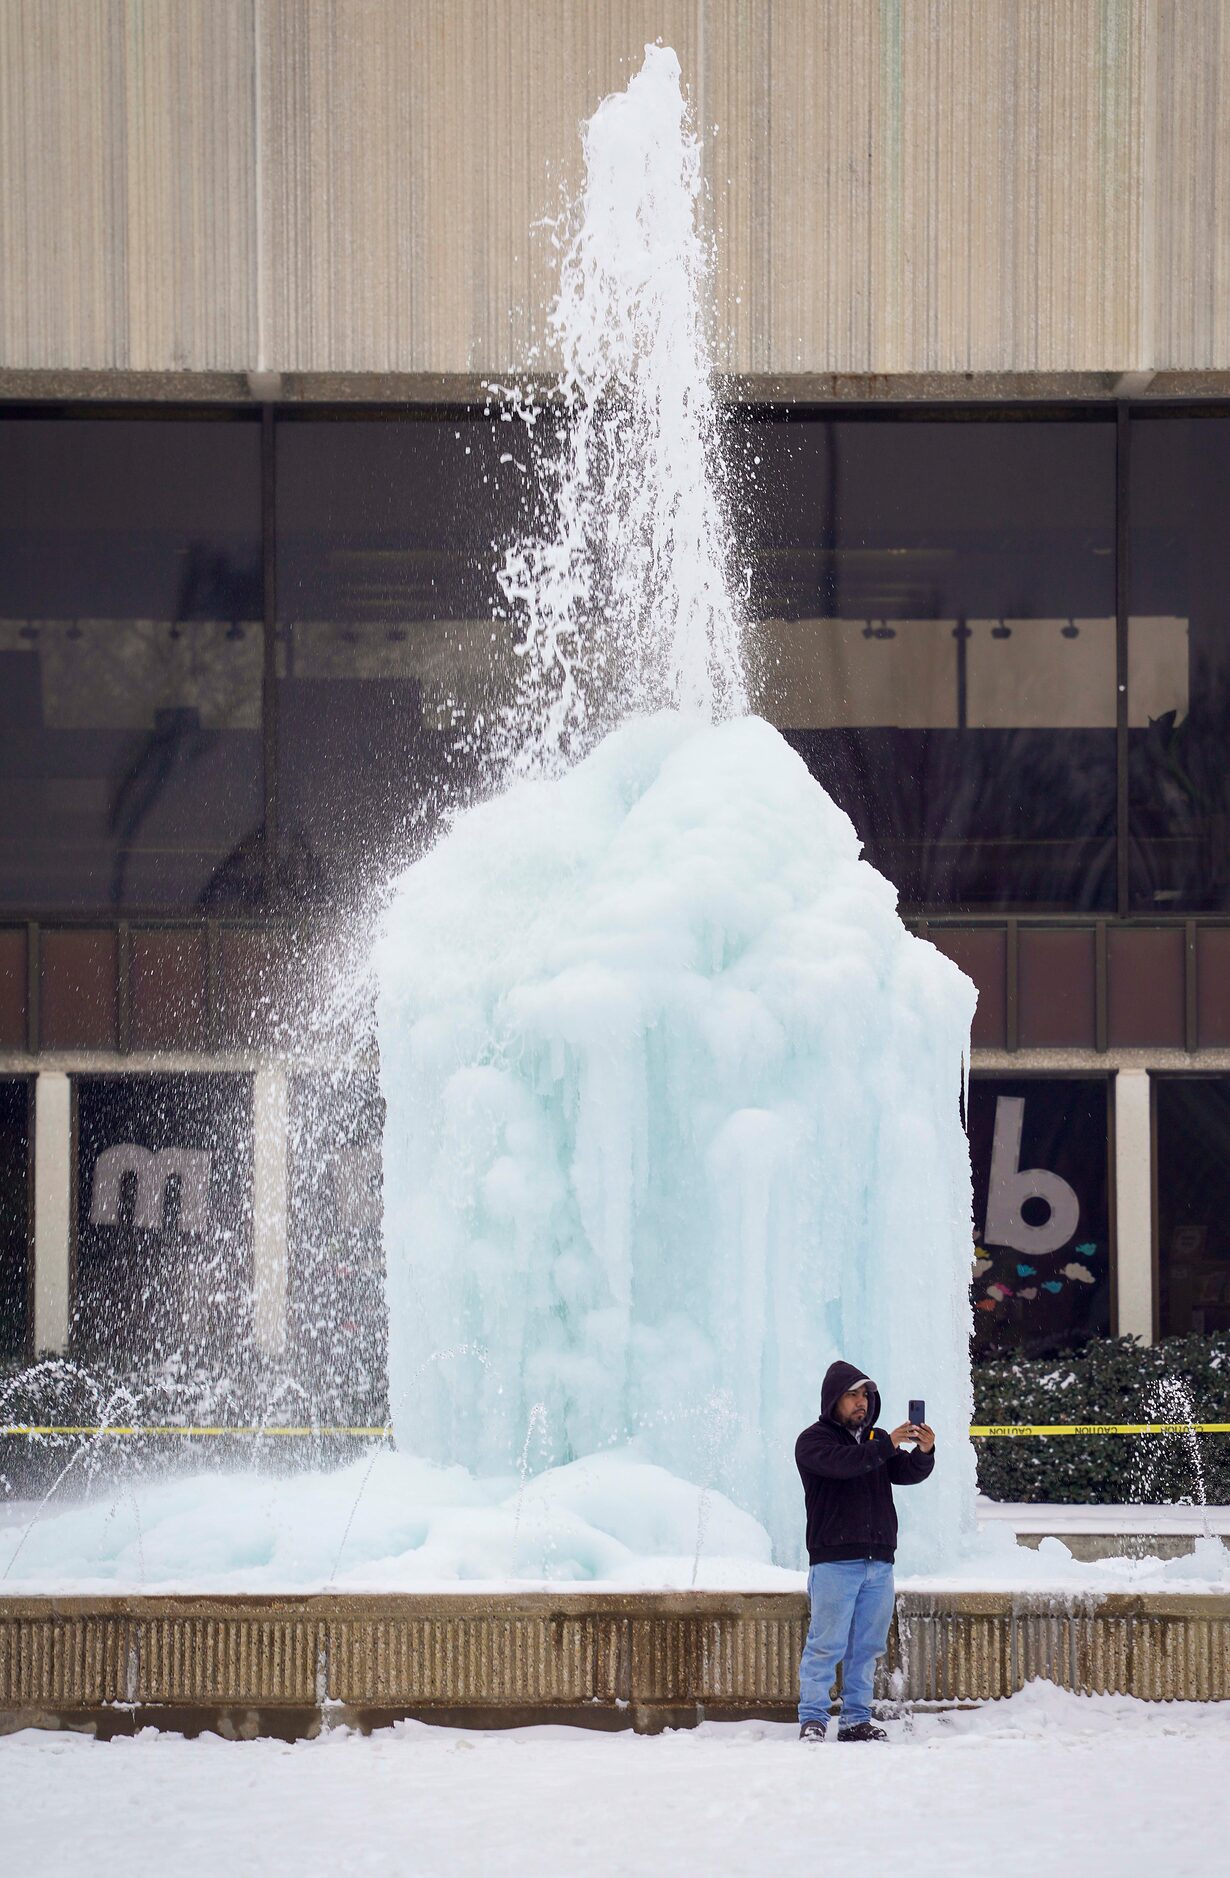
(1134, 1204)
(271, 1132)
(53, 1185)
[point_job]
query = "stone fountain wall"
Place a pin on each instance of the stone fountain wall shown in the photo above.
(290, 1666)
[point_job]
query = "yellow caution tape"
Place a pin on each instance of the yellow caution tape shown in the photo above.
(175, 1428)
(981, 1432)
(991, 1431)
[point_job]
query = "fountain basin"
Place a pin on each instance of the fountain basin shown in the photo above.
(264, 1664)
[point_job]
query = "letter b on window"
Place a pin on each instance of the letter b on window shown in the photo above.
(1011, 1185)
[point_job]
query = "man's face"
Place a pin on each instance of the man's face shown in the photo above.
(852, 1407)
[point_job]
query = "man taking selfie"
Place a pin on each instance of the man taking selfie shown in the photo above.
(849, 1468)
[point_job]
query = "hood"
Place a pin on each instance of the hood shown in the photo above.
(839, 1377)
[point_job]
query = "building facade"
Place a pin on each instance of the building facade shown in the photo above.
(260, 261)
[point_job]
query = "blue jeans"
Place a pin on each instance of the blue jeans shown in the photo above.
(851, 1609)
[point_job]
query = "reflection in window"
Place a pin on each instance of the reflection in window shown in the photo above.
(1193, 1202)
(1041, 1272)
(130, 664)
(1179, 664)
(164, 1217)
(391, 661)
(14, 1214)
(936, 635)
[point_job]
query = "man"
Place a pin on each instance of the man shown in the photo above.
(849, 1468)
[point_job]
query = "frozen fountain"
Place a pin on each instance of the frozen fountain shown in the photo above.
(674, 1099)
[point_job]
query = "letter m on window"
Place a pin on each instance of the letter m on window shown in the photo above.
(153, 1170)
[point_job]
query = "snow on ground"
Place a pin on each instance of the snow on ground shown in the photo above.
(1046, 1781)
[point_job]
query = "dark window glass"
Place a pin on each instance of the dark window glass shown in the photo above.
(1193, 1202)
(130, 664)
(1179, 663)
(390, 661)
(1041, 1276)
(14, 1214)
(335, 1251)
(936, 633)
(164, 1217)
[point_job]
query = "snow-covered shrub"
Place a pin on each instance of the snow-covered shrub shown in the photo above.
(1112, 1379)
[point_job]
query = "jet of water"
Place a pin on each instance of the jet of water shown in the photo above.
(1171, 1459)
(722, 1424)
(626, 596)
(537, 1423)
(117, 1408)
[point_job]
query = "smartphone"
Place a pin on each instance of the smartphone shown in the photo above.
(918, 1413)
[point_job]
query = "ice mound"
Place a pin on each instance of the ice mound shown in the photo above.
(395, 1524)
(673, 1120)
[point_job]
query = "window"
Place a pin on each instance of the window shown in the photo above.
(335, 1252)
(14, 1214)
(164, 1216)
(389, 663)
(936, 634)
(1041, 1272)
(1179, 664)
(130, 664)
(934, 601)
(1192, 1148)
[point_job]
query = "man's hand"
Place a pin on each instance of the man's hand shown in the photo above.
(914, 1431)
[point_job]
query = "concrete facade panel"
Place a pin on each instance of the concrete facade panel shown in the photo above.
(1031, 188)
(1213, 981)
(77, 990)
(169, 991)
(1057, 988)
(1185, 260)
(1145, 998)
(14, 978)
(127, 146)
(254, 986)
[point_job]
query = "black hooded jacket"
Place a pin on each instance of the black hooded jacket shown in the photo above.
(848, 1479)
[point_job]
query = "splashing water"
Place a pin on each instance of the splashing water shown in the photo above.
(1168, 1466)
(626, 599)
(537, 1423)
(722, 1426)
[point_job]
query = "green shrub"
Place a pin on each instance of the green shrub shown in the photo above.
(1113, 1379)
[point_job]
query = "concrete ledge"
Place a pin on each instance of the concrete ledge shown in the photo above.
(1089, 1547)
(93, 384)
(1098, 1532)
(288, 1665)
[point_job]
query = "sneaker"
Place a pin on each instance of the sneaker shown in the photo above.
(862, 1731)
(813, 1731)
